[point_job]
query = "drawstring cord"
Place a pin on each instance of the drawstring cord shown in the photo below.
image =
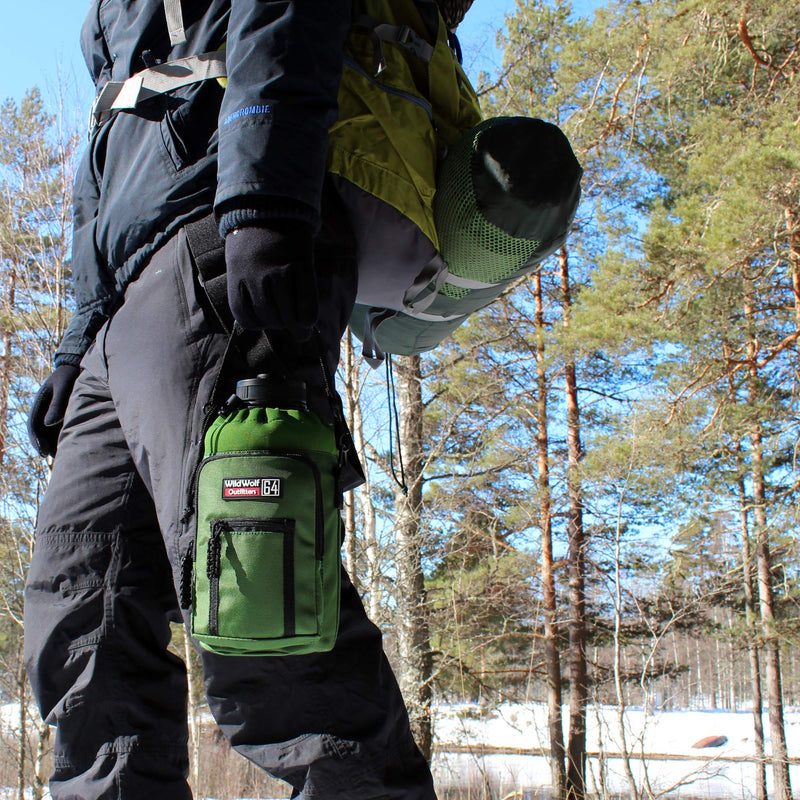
(394, 416)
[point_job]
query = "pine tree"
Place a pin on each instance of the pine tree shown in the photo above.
(35, 180)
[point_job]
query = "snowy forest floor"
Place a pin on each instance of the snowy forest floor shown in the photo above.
(512, 728)
(487, 754)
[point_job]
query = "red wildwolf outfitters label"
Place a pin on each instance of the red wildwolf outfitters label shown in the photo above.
(251, 488)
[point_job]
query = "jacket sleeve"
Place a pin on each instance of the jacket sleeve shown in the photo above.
(284, 63)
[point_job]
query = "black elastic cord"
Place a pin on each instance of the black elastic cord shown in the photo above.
(455, 46)
(344, 439)
(394, 415)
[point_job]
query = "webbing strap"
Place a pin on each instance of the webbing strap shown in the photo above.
(208, 252)
(467, 283)
(372, 353)
(401, 35)
(151, 82)
(426, 286)
(172, 10)
(423, 317)
(406, 38)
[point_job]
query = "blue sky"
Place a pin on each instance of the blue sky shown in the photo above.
(41, 41)
(43, 44)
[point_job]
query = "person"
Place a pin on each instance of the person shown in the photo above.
(145, 362)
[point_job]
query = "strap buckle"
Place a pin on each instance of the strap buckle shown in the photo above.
(102, 103)
(406, 36)
(410, 40)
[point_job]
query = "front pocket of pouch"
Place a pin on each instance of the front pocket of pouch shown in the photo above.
(250, 571)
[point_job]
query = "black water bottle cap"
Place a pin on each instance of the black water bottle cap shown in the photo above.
(273, 392)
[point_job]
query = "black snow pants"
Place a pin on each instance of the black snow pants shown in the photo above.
(112, 535)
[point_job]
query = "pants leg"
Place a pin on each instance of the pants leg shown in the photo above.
(332, 724)
(98, 602)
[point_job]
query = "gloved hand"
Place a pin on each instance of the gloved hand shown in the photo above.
(47, 412)
(271, 280)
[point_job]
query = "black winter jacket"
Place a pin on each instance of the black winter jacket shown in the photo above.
(256, 148)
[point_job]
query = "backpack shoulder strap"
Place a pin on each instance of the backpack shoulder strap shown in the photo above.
(174, 15)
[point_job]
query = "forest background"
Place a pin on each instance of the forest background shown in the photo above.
(600, 501)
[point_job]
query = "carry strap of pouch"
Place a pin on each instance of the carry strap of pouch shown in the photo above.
(208, 251)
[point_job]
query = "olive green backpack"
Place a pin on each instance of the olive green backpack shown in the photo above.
(447, 211)
(403, 99)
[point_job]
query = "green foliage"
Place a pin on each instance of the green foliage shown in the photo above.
(482, 607)
(684, 326)
(35, 183)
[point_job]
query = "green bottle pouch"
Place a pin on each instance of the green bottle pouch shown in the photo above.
(267, 567)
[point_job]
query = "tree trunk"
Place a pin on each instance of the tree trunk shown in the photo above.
(699, 690)
(6, 362)
(779, 755)
(793, 231)
(369, 534)
(350, 404)
(618, 683)
(350, 541)
(551, 643)
(576, 771)
(750, 617)
(194, 721)
(412, 627)
(716, 667)
(780, 764)
(22, 697)
(42, 749)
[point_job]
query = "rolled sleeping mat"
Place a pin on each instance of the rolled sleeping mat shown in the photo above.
(507, 192)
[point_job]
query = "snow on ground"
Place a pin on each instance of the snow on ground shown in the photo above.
(524, 727)
(673, 733)
(9, 717)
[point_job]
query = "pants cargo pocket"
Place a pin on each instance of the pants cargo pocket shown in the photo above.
(65, 609)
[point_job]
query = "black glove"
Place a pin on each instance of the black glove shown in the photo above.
(271, 280)
(47, 412)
